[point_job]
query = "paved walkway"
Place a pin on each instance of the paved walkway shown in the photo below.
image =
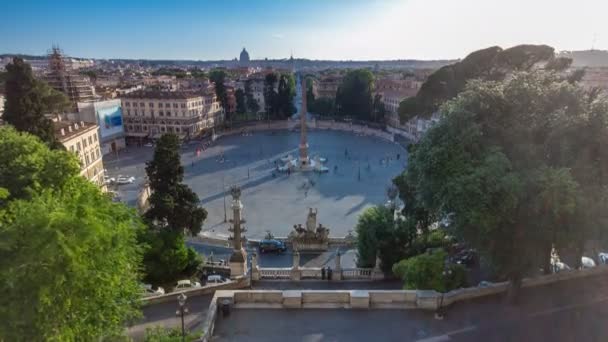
(571, 311)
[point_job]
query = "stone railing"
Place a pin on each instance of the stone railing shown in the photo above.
(311, 273)
(238, 283)
(275, 273)
(370, 299)
(357, 273)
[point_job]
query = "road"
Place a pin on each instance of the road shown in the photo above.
(570, 311)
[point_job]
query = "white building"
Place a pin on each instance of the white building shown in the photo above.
(149, 114)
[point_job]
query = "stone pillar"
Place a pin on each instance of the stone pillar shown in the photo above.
(296, 273)
(337, 275)
(377, 273)
(238, 259)
(255, 269)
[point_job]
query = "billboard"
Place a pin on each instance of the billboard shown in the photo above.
(109, 119)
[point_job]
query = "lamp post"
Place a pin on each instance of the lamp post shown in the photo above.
(224, 192)
(440, 313)
(181, 300)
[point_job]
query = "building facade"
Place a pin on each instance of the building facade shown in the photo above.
(327, 86)
(82, 139)
(108, 116)
(76, 87)
(149, 114)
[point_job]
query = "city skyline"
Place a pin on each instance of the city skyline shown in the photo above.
(327, 30)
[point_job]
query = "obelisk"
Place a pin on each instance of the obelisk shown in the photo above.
(304, 162)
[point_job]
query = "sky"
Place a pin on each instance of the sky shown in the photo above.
(314, 29)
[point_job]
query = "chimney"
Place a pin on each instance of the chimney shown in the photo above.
(62, 131)
(82, 123)
(76, 126)
(70, 128)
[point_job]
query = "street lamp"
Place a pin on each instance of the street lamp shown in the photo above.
(181, 300)
(440, 313)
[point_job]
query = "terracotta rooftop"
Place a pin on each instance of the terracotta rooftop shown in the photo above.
(66, 130)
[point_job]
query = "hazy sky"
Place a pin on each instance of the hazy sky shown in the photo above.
(317, 29)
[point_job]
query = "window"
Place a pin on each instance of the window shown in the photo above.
(145, 128)
(152, 111)
(84, 142)
(90, 140)
(127, 104)
(86, 157)
(97, 154)
(168, 113)
(128, 112)
(183, 105)
(177, 129)
(95, 137)
(151, 104)
(135, 112)
(142, 105)
(175, 105)
(161, 113)
(72, 148)
(162, 129)
(134, 104)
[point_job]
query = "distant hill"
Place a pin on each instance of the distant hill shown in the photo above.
(587, 58)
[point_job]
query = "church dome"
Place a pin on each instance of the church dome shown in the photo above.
(244, 58)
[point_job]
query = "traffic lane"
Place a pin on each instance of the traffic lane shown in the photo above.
(164, 314)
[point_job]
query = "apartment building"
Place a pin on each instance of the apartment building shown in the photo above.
(149, 114)
(82, 139)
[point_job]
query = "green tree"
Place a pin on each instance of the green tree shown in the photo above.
(173, 205)
(69, 265)
(161, 334)
(379, 234)
(429, 271)
(270, 95)
(28, 100)
(378, 109)
(286, 92)
(510, 169)
(218, 77)
(241, 101)
(174, 210)
(354, 97)
(252, 104)
(27, 166)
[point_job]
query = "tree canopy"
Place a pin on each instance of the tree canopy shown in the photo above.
(69, 259)
(28, 100)
(492, 63)
(354, 96)
(515, 166)
(173, 205)
(218, 77)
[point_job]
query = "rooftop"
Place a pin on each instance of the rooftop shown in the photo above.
(156, 94)
(66, 130)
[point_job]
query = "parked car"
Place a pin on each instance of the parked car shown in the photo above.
(272, 246)
(186, 284)
(322, 169)
(149, 144)
(125, 180)
(603, 258)
(467, 257)
(587, 262)
(215, 279)
(108, 180)
(150, 291)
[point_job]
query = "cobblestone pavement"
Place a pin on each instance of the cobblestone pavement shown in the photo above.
(277, 203)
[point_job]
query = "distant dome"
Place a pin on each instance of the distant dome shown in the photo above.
(244, 58)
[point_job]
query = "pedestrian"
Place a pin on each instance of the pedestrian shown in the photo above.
(329, 273)
(322, 273)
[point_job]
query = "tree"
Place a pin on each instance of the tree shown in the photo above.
(28, 100)
(173, 205)
(379, 234)
(354, 97)
(69, 265)
(161, 334)
(286, 92)
(174, 210)
(218, 77)
(241, 105)
(379, 109)
(509, 168)
(270, 95)
(252, 104)
(491, 64)
(428, 271)
(27, 166)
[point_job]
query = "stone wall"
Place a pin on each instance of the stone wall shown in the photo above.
(239, 283)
